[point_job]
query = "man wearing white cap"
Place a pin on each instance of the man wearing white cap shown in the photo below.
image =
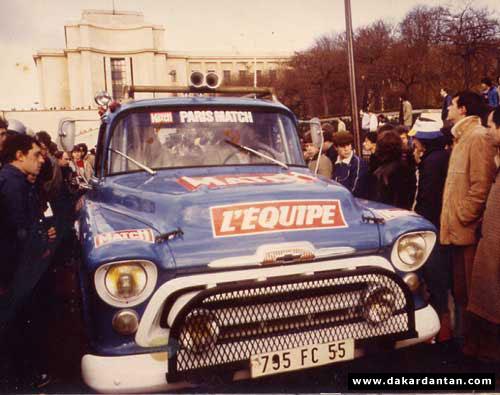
(432, 167)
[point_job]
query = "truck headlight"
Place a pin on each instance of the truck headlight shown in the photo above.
(412, 250)
(126, 283)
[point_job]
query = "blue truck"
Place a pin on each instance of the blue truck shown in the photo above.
(209, 249)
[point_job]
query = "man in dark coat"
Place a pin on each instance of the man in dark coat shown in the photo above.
(349, 169)
(446, 103)
(328, 147)
(25, 244)
(432, 166)
(432, 163)
(20, 207)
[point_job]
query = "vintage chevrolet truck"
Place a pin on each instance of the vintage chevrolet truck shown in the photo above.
(210, 250)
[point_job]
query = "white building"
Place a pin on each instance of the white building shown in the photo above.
(106, 50)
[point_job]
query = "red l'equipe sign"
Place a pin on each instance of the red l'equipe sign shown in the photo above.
(275, 216)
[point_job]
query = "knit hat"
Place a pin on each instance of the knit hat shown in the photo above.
(426, 129)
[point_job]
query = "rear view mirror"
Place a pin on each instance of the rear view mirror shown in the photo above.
(316, 132)
(66, 133)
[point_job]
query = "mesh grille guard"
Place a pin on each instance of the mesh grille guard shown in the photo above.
(280, 313)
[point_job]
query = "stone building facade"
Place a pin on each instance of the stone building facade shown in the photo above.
(106, 50)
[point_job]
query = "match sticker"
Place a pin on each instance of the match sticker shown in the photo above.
(276, 216)
(218, 181)
(145, 235)
(161, 117)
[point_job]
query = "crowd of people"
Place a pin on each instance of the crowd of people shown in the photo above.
(447, 171)
(39, 190)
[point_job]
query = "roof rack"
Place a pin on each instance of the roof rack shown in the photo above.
(245, 91)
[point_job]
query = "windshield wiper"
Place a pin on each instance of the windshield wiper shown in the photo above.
(143, 167)
(259, 154)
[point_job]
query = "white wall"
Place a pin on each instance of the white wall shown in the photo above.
(86, 130)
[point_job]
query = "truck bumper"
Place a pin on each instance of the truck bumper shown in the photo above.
(147, 372)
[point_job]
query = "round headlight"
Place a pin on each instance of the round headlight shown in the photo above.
(200, 331)
(125, 281)
(412, 249)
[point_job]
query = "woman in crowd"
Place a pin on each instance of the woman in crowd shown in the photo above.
(81, 166)
(391, 183)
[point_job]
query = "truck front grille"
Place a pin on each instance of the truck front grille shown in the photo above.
(224, 326)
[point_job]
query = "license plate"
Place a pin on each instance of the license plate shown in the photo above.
(301, 358)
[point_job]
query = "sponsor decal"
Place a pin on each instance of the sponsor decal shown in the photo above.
(392, 213)
(276, 216)
(216, 116)
(161, 117)
(218, 181)
(145, 235)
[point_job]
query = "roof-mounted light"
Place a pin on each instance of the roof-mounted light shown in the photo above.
(103, 99)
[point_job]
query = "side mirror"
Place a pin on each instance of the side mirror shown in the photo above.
(316, 132)
(66, 133)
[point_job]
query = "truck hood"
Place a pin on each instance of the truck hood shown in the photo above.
(231, 212)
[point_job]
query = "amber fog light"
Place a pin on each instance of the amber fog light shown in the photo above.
(200, 331)
(379, 305)
(126, 322)
(412, 280)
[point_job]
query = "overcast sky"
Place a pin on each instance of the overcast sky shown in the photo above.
(194, 25)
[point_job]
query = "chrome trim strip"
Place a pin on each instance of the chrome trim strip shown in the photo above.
(259, 256)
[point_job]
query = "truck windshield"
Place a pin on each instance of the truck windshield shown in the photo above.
(173, 138)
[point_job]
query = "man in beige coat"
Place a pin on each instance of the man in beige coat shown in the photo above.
(470, 174)
(484, 297)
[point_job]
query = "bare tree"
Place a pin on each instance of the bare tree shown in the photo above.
(432, 47)
(471, 33)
